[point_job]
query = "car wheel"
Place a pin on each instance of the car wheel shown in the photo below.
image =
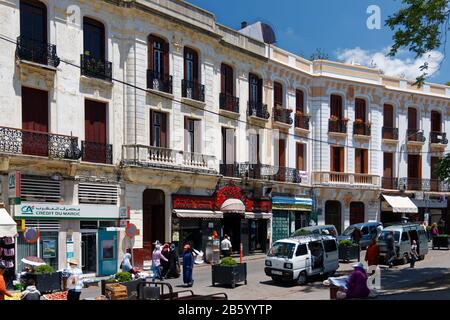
(302, 278)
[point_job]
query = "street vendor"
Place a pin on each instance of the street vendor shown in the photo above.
(3, 291)
(356, 284)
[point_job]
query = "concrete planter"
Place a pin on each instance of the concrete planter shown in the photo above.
(229, 275)
(347, 253)
(440, 242)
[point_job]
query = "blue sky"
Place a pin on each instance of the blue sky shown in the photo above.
(336, 26)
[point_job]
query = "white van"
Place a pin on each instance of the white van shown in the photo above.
(297, 258)
(404, 234)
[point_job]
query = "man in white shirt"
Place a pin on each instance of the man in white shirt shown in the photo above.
(225, 246)
(75, 280)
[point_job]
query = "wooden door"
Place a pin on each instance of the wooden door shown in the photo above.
(435, 121)
(95, 132)
(412, 119)
(336, 106)
(278, 94)
(360, 109)
(34, 122)
(299, 102)
(300, 156)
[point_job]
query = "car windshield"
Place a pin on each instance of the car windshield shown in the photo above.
(301, 232)
(384, 235)
(348, 231)
(282, 250)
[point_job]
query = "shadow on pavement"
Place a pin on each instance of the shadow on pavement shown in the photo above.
(412, 278)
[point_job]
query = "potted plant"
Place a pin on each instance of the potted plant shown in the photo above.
(441, 241)
(126, 279)
(347, 250)
(334, 118)
(229, 272)
(46, 279)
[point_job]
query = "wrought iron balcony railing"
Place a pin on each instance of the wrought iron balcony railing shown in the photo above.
(438, 137)
(193, 90)
(228, 102)
(302, 121)
(258, 109)
(96, 68)
(283, 115)
(96, 152)
(36, 51)
(389, 183)
(261, 172)
(361, 128)
(36, 143)
(158, 81)
(389, 133)
(415, 135)
(338, 126)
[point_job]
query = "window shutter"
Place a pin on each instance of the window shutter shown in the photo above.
(300, 157)
(223, 77)
(278, 93)
(358, 161)
(332, 160)
(163, 130)
(360, 106)
(152, 129)
(299, 102)
(197, 136)
(341, 159)
(388, 116)
(412, 118)
(419, 169)
(434, 166)
(166, 50)
(260, 91)
(252, 144)
(196, 67)
(365, 154)
(151, 40)
(282, 153)
(388, 165)
(435, 121)
(336, 106)
(186, 134)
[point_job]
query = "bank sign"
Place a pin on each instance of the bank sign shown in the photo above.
(55, 211)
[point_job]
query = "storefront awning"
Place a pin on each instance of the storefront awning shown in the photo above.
(292, 203)
(8, 227)
(401, 204)
(258, 215)
(198, 214)
(233, 206)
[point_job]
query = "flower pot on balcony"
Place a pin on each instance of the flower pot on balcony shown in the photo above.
(229, 275)
(440, 241)
(348, 252)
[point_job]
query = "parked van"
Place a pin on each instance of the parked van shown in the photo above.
(298, 258)
(404, 234)
(331, 229)
(369, 231)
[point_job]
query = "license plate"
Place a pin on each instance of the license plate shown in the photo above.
(277, 272)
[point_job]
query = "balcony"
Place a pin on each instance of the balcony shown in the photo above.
(92, 67)
(229, 103)
(34, 143)
(193, 91)
(389, 135)
(96, 152)
(346, 178)
(37, 52)
(301, 122)
(438, 141)
(282, 116)
(159, 82)
(438, 186)
(258, 110)
(146, 156)
(337, 127)
(361, 129)
(389, 183)
(261, 172)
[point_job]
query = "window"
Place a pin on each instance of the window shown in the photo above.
(254, 144)
(278, 94)
(364, 231)
(158, 133)
(192, 140)
(414, 166)
(190, 65)
(405, 236)
(337, 159)
(158, 60)
(388, 164)
(33, 21)
(330, 245)
(255, 83)
(282, 250)
(94, 38)
(435, 121)
(360, 109)
(95, 121)
(299, 101)
(228, 145)
(301, 163)
(301, 250)
(336, 106)
(361, 161)
(412, 119)
(227, 79)
(388, 116)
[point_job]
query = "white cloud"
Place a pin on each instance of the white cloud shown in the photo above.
(401, 65)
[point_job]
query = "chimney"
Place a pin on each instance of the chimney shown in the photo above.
(243, 24)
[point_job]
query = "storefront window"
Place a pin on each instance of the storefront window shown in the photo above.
(46, 248)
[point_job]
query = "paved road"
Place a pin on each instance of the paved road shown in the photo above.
(400, 282)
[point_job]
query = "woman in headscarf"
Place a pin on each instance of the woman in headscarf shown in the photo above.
(165, 263)
(188, 266)
(174, 263)
(126, 265)
(156, 261)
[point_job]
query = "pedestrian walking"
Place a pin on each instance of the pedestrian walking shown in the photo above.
(75, 280)
(434, 231)
(391, 249)
(156, 261)
(126, 265)
(174, 263)
(414, 256)
(372, 256)
(165, 263)
(356, 235)
(188, 266)
(226, 246)
(3, 291)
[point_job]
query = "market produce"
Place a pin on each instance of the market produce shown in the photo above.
(56, 296)
(15, 296)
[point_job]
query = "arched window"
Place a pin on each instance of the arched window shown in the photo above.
(94, 39)
(436, 124)
(336, 106)
(158, 57)
(278, 94)
(33, 20)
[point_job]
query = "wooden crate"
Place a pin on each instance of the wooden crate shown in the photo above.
(116, 291)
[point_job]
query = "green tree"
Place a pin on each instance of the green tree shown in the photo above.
(443, 169)
(420, 26)
(447, 83)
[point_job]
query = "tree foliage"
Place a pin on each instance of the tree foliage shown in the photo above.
(443, 169)
(420, 26)
(319, 54)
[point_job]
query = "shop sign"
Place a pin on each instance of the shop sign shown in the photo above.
(49, 249)
(290, 207)
(31, 235)
(56, 211)
(14, 178)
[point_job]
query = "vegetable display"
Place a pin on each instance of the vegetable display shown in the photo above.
(56, 296)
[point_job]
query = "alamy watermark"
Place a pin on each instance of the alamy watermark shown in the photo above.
(373, 22)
